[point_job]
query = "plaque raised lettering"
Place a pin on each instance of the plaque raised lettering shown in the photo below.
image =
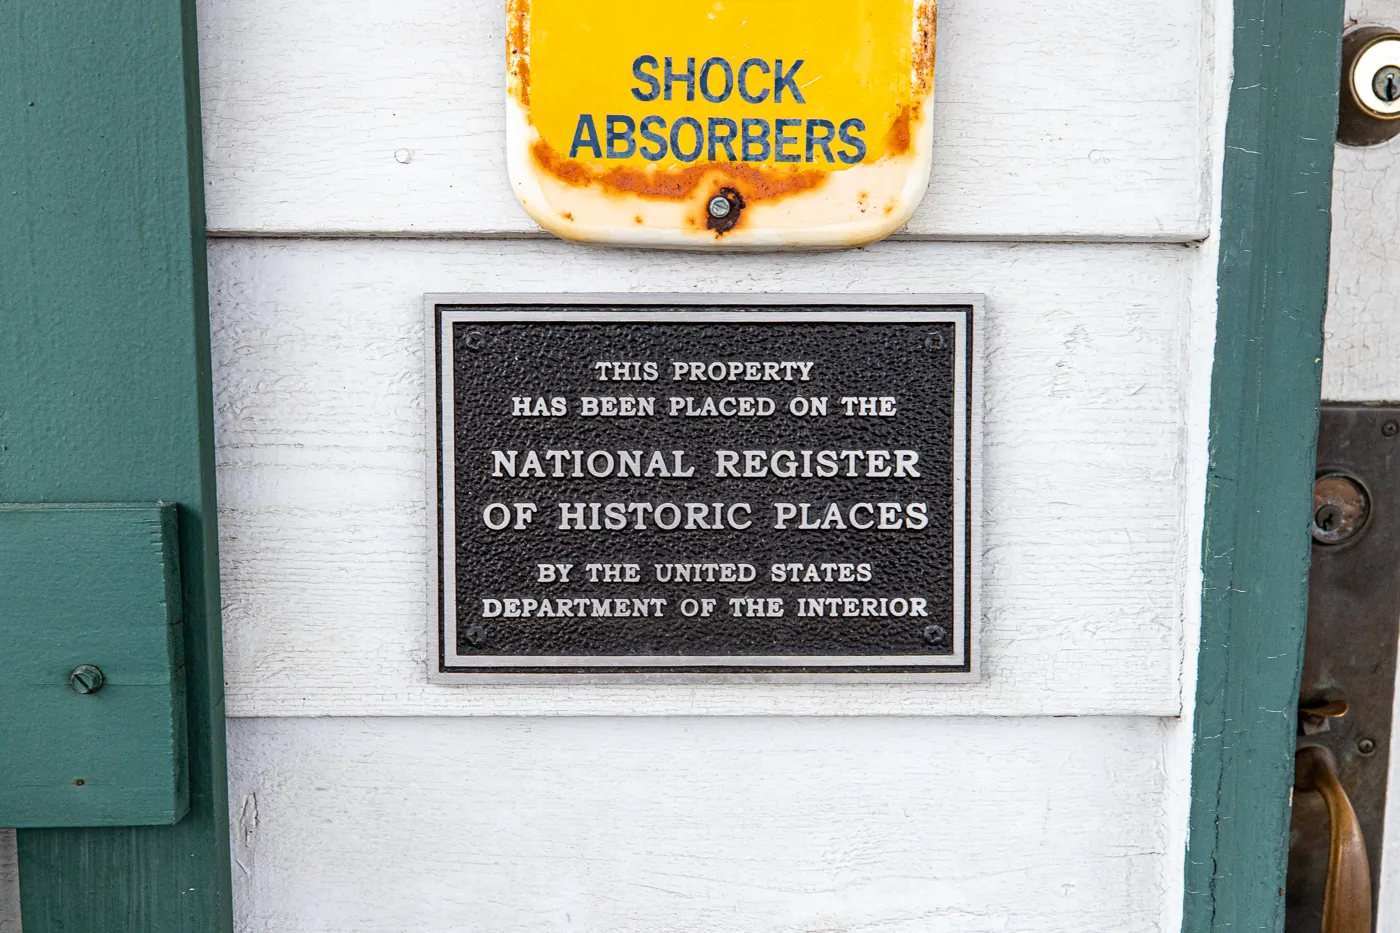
(683, 489)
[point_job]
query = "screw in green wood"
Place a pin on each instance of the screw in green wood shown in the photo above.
(86, 678)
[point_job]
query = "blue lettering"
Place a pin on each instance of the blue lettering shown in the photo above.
(781, 139)
(705, 80)
(687, 76)
(781, 81)
(585, 134)
(624, 136)
(855, 142)
(676, 150)
(649, 80)
(828, 133)
(755, 133)
(651, 136)
(726, 140)
(762, 66)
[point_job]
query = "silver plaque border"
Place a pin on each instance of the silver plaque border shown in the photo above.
(741, 308)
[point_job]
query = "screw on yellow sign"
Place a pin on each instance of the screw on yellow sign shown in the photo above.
(720, 123)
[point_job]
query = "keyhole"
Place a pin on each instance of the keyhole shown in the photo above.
(1328, 517)
(1386, 84)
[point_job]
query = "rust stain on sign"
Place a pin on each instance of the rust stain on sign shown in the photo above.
(898, 139)
(622, 128)
(674, 184)
(733, 201)
(924, 48)
(518, 50)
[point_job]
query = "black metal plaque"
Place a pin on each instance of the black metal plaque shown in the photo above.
(685, 489)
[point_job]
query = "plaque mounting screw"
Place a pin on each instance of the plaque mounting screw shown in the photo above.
(720, 206)
(475, 635)
(1390, 428)
(935, 636)
(934, 342)
(86, 678)
(475, 340)
(1366, 746)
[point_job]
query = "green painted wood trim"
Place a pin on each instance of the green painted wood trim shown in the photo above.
(105, 392)
(1265, 389)
(91, 585)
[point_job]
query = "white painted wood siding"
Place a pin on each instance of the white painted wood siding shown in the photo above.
(321, 451)
(9, 883)
(1094, 393)
(1050, 797)
(644, 825)
(1053, 120)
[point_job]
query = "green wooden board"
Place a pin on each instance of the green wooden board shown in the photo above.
(1265, 391)
(105, 393)
(95, 585)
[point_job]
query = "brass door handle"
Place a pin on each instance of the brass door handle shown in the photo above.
(1346, 902)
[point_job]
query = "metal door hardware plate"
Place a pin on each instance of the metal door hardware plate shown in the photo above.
(1353, 616)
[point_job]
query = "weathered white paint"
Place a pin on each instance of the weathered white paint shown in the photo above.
(1054, 120)
(1388, 875)
(1197, 375)
(9, 883)
(1362, 362)
(1361, 358)
(449, 813)
(321, 450)
(677, 825)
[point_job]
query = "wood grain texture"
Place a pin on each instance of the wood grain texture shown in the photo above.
(904, 825)
(91, 585)
(1052, 121)
(1272, 281)
(1363, 328)
(105, 390)
(321, 450)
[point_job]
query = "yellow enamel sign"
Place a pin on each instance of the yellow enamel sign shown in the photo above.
(720, 123)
